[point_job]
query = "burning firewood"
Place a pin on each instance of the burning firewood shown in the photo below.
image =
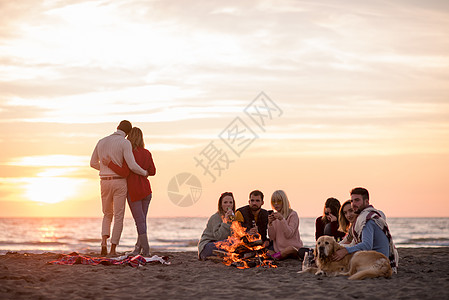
(243, 250)
(216, 259)
(220, 253)
(249, 254)
(244, 264)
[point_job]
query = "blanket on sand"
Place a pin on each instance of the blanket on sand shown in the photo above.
(134, 261)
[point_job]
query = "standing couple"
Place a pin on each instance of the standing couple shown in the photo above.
(124, 166)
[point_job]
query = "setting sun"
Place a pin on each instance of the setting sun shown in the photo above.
(51, 189)
(52, 182)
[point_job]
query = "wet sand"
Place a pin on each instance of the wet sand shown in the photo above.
(423, 274)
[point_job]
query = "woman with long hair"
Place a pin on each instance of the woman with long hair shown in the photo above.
(283, 227)
(218, 226)
(327, 224)
(346, 218)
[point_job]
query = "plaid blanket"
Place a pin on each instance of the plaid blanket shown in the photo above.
(133, 261)
(370, 213)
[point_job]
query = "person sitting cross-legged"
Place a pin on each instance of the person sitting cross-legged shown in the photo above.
(218, 226)
(283, 227)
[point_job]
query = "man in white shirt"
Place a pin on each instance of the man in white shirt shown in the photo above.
(113, 186)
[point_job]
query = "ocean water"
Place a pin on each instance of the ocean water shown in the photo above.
(65, 235)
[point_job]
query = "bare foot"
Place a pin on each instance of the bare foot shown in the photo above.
(112, 252)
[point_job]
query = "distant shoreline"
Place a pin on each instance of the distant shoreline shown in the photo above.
(41, 235)
(162, 250)
(179, 217)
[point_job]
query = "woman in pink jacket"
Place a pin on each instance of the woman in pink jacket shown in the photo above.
(283, 227)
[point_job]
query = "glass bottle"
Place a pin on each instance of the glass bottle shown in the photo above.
(305, 261)
(311, 258)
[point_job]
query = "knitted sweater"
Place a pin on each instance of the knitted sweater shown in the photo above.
(215, 230)
(138, 186)
(285, 232)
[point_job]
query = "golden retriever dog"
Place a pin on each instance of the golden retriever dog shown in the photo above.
(359, 265)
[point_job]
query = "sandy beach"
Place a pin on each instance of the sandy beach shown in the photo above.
(423, 274)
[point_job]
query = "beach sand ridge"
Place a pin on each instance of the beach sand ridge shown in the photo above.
(423, 274)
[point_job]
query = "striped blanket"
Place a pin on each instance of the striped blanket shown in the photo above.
(133, 261)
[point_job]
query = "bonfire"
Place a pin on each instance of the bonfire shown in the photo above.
(243, 250)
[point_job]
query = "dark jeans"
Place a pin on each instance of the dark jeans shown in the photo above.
(139, 210)
(207, 250)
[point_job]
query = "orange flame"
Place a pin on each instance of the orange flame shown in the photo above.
(237, 239)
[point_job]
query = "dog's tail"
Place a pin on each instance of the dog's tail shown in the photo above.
(381, 268)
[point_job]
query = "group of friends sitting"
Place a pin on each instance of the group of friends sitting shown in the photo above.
(356, 225)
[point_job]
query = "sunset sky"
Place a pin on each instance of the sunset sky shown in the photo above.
(356, 94)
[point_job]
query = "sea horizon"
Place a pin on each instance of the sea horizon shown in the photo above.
(174, 234)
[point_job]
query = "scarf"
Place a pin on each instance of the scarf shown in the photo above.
(370, 213)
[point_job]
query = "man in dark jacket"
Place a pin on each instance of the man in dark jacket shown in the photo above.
(253, 217)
